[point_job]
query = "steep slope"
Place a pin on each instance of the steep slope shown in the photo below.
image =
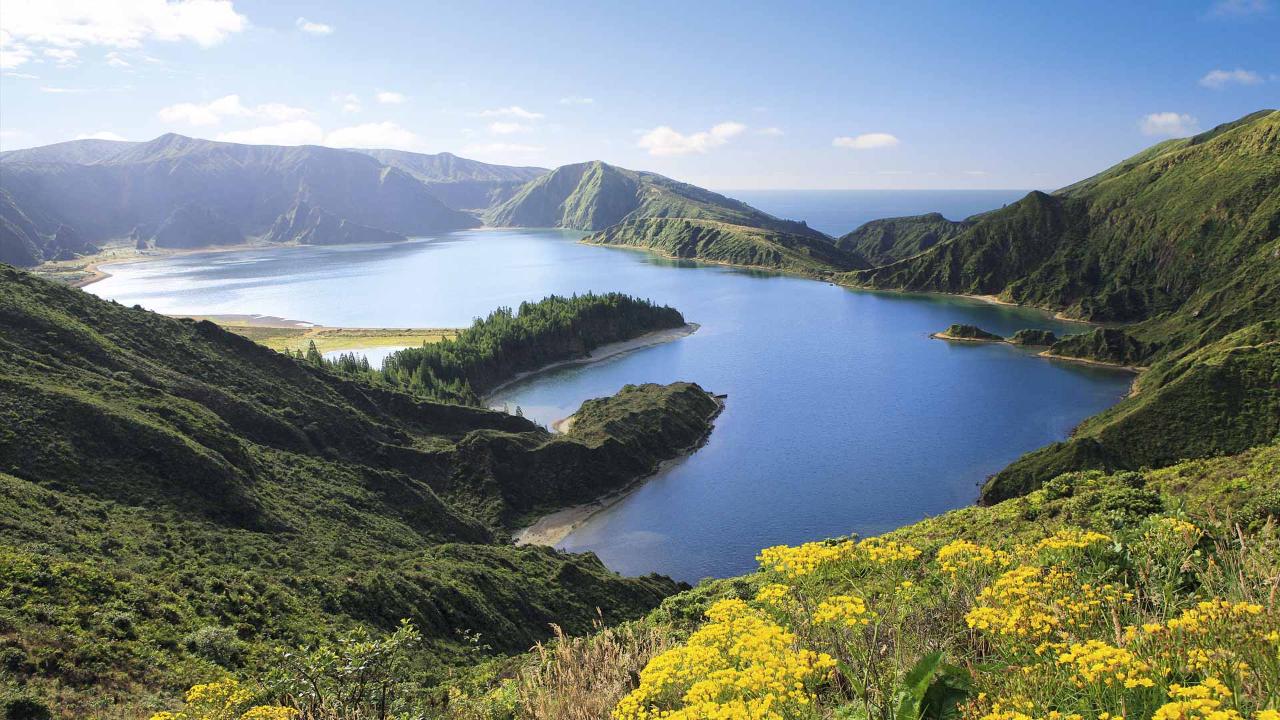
(594, 196)
(719, 242)
(213, 496)
(1173, 227)
(132, 192)
(459, 182)
(881, 242)
(1217, 400)
(1180, 241)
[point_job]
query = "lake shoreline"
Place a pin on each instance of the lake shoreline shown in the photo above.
(604, 352)
(554, 527)
(1046, 353)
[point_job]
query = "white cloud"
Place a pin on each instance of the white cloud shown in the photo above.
(374, 135)
(771, 132)
(1239, 8)
(866, 141)
(115, 59)
(514, 111)
(665, 141)
(211, 113)
(313, 28)
(350, 102)
(296, 132)
(503, 127)
(100, 135)
(67, 25)
(975, 173)
(22, 76)
(1170, 124)
(12, 52)
(576, 100)
(386, 97)
(65, 57)
(1218, 79)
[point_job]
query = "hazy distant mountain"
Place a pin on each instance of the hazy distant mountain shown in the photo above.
(181, 191)
(447, 167)
(458, 182)
(595, 195)
(80, 152)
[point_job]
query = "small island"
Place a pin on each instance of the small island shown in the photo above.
(1029, 336)
(967, 333)
(973, 333)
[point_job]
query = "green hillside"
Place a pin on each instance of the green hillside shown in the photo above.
(727, 243)
(176, 500)
(881, 242)
(595, 195)
(1179, 243)
(1187, 226)
(1217, 400)
(1144, 593)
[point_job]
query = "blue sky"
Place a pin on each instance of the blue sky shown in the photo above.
(728, 95)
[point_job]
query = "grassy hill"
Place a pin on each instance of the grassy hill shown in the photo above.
(176, 500)
(1185, 227)
(1179, 242)
(727, 243)
(595, 195)
(881, 242)
(1146, 594)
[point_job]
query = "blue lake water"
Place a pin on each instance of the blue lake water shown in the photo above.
(842, 415)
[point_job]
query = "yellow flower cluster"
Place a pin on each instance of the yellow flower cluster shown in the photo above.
(1194, 702)
(225, 700)
(1034, 602)
(1176, 526)
(1211, 612)
(1072, 539)
(884, 552)
(846, 610)
(737, 665)
(960, 556)
(775, 595)
(1022, 602)
(1095, 661)
(802, 560)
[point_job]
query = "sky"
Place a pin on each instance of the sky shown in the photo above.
(727, 95)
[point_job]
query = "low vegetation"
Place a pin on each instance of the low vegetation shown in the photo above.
(178, 504)
(971, 333)
(880, 242)
(293, 340)
(720, 242)
(1143, 595)
(1217, 400)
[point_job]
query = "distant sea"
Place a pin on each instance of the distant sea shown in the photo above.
(837, 212)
